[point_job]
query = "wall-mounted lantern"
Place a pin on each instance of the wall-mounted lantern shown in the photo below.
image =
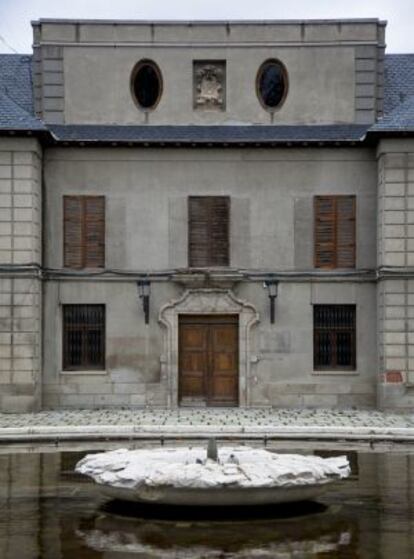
(271, 286)
(144, 290)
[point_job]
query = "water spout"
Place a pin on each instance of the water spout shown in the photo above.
(212, 453)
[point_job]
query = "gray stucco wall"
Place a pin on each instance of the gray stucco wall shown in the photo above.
(271, 229)
(133, 350)
(271, 201)
(284, 374)
(314, 97)
(281, 369)
(335, 70)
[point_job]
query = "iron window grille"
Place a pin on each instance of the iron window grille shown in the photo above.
(334, 337)
(83, 337)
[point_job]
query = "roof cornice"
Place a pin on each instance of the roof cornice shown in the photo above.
(169, 22)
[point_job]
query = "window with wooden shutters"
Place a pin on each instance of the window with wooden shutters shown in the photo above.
(83, 337)
(334, 337)
(208, 231)
(335, 231)
(84, 231)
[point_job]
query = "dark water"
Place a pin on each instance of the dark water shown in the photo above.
(48, 512)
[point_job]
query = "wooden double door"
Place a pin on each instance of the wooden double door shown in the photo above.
(208, 360)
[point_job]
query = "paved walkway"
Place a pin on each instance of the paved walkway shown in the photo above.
(203, 423)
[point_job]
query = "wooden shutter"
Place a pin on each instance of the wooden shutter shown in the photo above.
(335, 231)
(84, 231)
(94, 227)
(219, 230)
(345, 231)
(198, 231)
(73, 235)
(325, 245)
(209, 227)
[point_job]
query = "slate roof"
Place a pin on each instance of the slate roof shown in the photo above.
(17, 113)
(399, 79)
(398, 95)
(400, 119)
(16, 93)
(208, 134)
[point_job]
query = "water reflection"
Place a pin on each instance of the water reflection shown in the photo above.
(300, 536)
(47, 512)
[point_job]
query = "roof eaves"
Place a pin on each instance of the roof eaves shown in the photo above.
(207, 135)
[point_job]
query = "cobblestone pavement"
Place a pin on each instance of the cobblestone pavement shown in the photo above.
(220, 418)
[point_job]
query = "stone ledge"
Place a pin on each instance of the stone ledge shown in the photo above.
(243, 424)
(99, 432)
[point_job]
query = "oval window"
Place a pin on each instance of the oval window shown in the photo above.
(146, 84)
(271, 84)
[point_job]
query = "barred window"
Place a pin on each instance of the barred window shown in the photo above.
(334, 337)
(83, 337)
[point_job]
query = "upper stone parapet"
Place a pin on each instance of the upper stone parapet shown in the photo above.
(217, 72)
(64, 31)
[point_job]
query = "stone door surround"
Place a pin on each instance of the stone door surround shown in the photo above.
(206, 301)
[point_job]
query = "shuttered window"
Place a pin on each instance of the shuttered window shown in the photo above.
(334, 337)
(83, 337)
(208, 231)
(335, 231)
(84, 231)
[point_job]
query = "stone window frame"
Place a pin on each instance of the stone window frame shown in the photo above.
(138, 65)
(286, 81)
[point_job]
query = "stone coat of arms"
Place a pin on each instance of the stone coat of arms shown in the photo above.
(209, 86)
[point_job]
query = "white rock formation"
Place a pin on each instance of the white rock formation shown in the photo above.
(159, 475)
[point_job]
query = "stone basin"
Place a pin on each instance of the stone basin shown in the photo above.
(185, 476)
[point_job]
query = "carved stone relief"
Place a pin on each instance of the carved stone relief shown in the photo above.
(209, 85)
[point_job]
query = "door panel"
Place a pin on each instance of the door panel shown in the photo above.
(208, 360)
(224, 369)
(194, 337)
(193, 358)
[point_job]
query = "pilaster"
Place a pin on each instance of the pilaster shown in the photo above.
(20, 284)
(395, 296)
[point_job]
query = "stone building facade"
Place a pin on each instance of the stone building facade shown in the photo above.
(202, 214)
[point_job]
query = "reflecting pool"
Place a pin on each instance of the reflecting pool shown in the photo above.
(49, 512)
